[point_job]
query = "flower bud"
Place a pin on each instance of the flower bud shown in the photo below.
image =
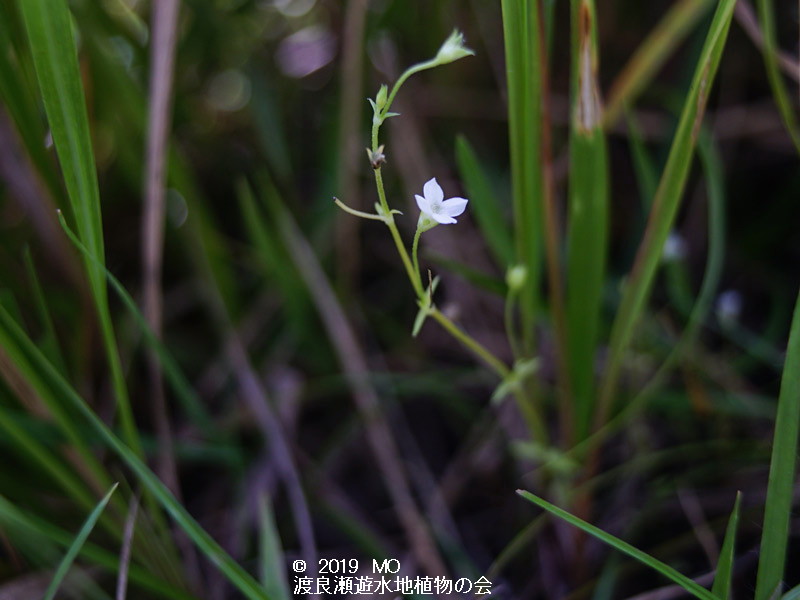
(453, 49)
(381, 97)
(515, 277)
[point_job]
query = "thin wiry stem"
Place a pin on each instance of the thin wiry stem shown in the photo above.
(165, 18)
(351, 98)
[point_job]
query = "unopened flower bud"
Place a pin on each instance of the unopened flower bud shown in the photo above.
(453, 49)
(381, 97)
(515, 277)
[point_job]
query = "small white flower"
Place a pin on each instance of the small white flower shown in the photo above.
(729, 306)
(453, 49)
(675, 248)
(433, 205)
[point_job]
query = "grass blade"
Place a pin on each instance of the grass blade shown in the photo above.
(651, 54)
(485, 204)
(524, 74)
(49, 27)
(690, 586)
(722, 580)
(75, 548)
(51, 381)
(782, 473)
(766, 14)
(665, 207)
(273, 572)
(588, 218)
(40, 531)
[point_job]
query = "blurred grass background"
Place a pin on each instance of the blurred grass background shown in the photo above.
(269, 121)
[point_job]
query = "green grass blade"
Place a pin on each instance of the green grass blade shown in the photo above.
(40, 531)
(766, 15)
(16, 342)
(75, 548)
(193, 406)
(722, 580)
(49, 27)
(588, 218)
(485, 204)
(273, 572)
(793, 594)
(276, 262)
(651, 54)
(690, 586)
(643, 165)
(782, 472)
(665, 207)
(49, 341)
(33, 449)
(524, 75)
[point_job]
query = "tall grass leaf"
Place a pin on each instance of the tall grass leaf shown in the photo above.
(485, 204)
(588, 217)
(75, 548)
(524, 77)
(273, 569)
(33, 449)
(651, 54)
(793, 594)
(275, 260)
(644, 167)
(40, 531)
(49, 27)
(18, 99)
(687, 584)
(782, 471)
(16, 342)
(49, 340)
(665, 207)
(766, 15)
(722, 579)
(194, 407)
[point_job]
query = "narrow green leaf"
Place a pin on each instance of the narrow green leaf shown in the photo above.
(588, 217)
(793, 594)
(690, 586)
(651, 54)
(49, 27)
(782, 473)
(51, 381)
(75, 548)
(49, 341)
(722, 580)
(484, 203)
(273, 569)
(40, 532)
(189, 400)
(665, 207)
(524, 75)
(766, 14)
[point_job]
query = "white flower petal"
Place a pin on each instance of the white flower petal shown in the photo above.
(423, 204)
(454, 206)
(443, 218)
(433, 192)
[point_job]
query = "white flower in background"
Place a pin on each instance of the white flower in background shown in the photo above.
(729, 306)
(675, 248)
(435, 208)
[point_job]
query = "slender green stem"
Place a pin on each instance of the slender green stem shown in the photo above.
(415, 251)
(467, 340)
(508, 318)
(412, 273)
(358, 213)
